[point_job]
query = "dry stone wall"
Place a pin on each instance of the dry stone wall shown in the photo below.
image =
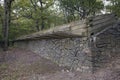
(106, 48)
(72, 52)
(83, 46)
(83, 54)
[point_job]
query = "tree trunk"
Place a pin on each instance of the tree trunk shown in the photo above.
(42, 18)
(42, 24)
(7, 10)
(5, 27)
(37, 25)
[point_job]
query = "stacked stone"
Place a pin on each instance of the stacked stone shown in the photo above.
(107, 47)
(72, 52)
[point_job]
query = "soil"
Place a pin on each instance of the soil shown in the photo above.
(20, 64)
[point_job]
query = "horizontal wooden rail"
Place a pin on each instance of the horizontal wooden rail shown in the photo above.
(107, 19)
(99, 17)
(81, 28)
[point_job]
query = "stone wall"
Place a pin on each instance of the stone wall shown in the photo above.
(85, 45)
(105, 48)
(72, 52)
(84, 54)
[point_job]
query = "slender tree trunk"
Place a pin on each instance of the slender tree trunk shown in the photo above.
(7, 10)
(5, 27)
(42, 19)
(37, 25)
(84, 14)
(2, 23)
(42, 24)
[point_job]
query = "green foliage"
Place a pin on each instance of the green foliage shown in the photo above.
(83, 8)
(20, 27)
(28, 16)
(114, 7)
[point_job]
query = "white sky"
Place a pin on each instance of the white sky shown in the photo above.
(106, 2)
(1, 2)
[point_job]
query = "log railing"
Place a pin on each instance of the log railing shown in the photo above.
(99, 23)
(81, 28)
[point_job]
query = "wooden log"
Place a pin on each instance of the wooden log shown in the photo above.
(97, 27)
(100, 27)
(103, 23)
(64, 35)
(93, 23)
(81, 26)
(80, 32)
(76, 23)
(62, 28)
(100, 17)
(110, 22)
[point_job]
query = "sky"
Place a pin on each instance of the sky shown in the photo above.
(106, 2)
(1, 2)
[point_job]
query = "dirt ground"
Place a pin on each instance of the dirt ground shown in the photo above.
(20, 64)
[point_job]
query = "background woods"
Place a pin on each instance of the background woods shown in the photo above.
(19, 17)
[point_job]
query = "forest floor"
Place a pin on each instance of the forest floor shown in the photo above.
(20, 64)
